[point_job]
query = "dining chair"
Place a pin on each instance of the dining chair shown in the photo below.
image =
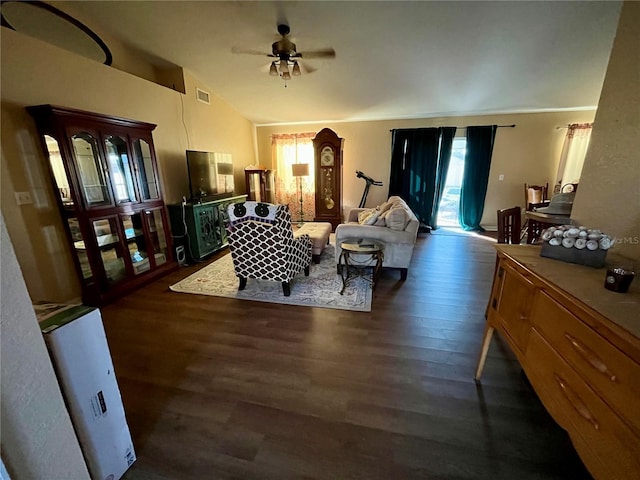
(535, 196)
(508, 232)
(509, 223)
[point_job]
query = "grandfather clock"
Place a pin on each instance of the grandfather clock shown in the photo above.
(328, 162)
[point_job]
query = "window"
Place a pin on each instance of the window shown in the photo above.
(450, 201)
(573, 153)
(287, 150)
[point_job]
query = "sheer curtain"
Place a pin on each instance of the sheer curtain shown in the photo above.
(288, 149)
(573, 152)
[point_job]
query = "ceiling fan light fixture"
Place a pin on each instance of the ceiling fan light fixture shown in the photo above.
(284, 56)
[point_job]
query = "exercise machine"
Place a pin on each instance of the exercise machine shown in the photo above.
(369, 181)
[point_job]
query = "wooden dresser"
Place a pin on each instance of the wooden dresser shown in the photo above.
(579, 345)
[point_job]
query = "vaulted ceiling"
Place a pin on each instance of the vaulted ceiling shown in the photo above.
(393, 59)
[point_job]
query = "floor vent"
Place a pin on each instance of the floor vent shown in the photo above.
(203, 96)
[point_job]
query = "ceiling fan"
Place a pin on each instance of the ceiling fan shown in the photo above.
(286, 57)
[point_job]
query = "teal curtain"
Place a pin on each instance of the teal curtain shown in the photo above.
(476, 175)
(399, 178)
(413, 168)
(418, 157)
(444, 158)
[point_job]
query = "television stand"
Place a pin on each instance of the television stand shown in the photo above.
(205, 221)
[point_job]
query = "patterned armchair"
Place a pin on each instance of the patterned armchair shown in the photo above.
(262, 244)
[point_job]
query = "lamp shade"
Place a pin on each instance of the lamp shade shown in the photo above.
(225, 168)
(300, 169)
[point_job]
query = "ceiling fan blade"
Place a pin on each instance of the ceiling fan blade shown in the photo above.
(305, 68)
(326, 53)
(248, 51)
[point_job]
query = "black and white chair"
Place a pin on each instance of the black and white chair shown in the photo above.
(263, 246)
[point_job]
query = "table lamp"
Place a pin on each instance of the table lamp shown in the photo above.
(300, 170)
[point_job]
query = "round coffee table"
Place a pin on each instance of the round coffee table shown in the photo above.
(356, 256)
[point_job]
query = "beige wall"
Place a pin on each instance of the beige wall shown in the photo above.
(609, 193)
(35, 73)
(527, 153)
(38, 440)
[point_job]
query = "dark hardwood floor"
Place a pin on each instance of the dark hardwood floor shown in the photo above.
(217, 388)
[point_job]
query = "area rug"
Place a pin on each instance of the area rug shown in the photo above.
(320, 289)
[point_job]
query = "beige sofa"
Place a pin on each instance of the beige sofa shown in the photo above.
(392, 223)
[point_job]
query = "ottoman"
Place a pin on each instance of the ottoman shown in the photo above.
(319, 233)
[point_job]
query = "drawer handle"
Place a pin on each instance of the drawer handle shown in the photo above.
(576, 402)
(590, 357)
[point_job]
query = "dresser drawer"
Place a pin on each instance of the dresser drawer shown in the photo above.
(594, 428)
(511, 305)
(613, 374)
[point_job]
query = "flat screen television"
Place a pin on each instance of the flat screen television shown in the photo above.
(210, 175)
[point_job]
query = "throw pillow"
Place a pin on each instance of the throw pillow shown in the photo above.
(397, 218)
(380, 222)
(384, 207)
(368, 216)
(373, 218)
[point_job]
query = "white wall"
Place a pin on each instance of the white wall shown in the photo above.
(38, 440)
(609, 194)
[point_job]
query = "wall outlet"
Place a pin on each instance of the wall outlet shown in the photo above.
(500, 177)
(23, 198)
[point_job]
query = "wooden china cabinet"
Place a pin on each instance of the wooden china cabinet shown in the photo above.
(259, 184)
(328, 164)
(105, 174)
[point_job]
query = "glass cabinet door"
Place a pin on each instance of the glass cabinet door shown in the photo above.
(59, 173)
(120, 169)
(110, 247)
(144, 167)
(157, 236)
(91, 172)
(80, 249)
(136, 242)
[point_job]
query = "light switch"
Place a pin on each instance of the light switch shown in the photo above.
(500, 177)
(23, 198)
